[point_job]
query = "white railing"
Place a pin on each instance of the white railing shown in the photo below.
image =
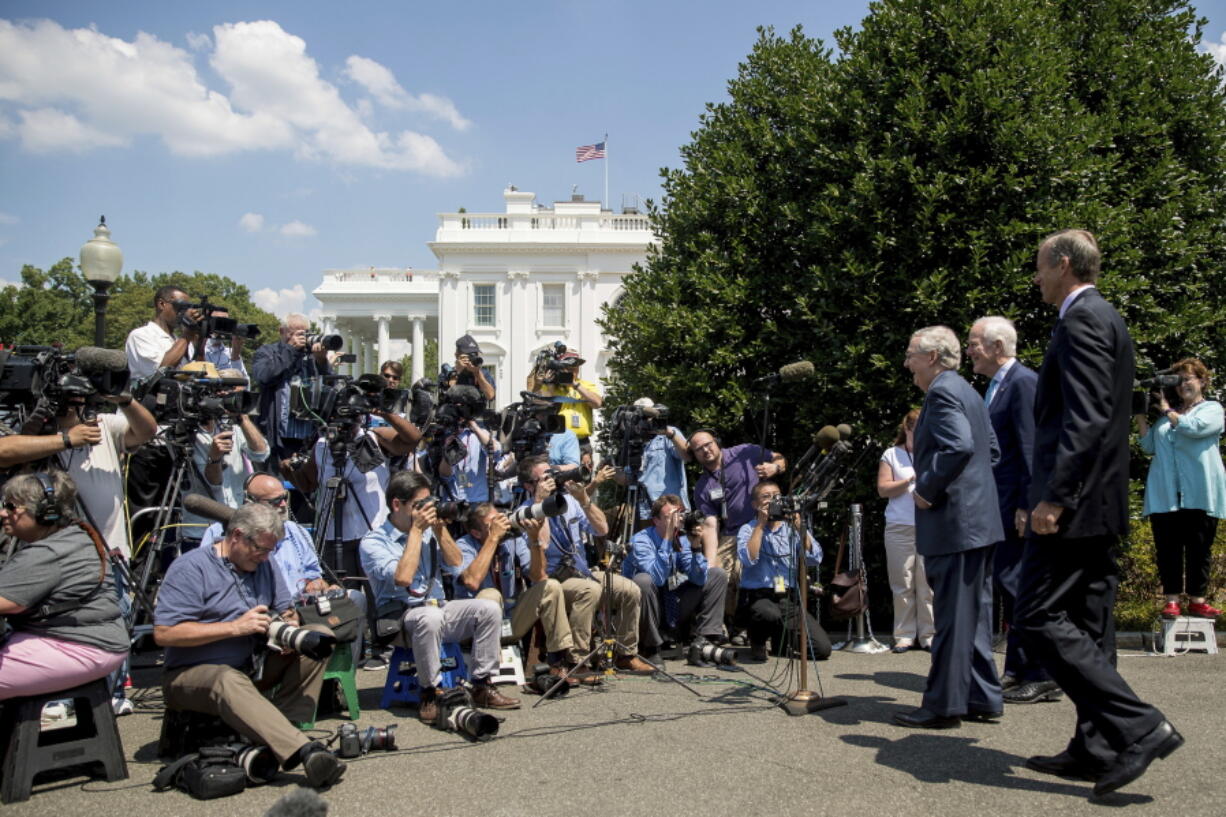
(368, 276)
(542, 221)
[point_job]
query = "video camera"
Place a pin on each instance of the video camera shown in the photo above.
(527, 425)
(337, 399)
(550, 368)
(629, 430)
(1146, 393)
(212, 325)
(38, 382)
(443, 422)
(188, 397)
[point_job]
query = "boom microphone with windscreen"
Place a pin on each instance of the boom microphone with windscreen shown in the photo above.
(799, 370)
(208, 508)
(826, 437)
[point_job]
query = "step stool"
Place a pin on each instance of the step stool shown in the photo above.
(30, 751)
(402, 687)
(510, 666)
(340, 669)
(1185, 634)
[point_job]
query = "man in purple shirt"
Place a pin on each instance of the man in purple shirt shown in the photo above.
(723, 495)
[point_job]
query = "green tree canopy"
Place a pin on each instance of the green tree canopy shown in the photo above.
(836, 203)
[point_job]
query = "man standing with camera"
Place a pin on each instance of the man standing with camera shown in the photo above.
(566, 561)
(275, 365)
(214, 609)
(664, 561)
(221, 354)
(405, 558)
(558, 379)
(468, 371)
(154, 345)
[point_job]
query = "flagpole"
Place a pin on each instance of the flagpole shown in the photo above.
(606, 173)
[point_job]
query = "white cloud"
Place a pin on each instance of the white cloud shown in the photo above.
(280, 302)
(296, 229)
(8, 218)
(4, 284)
(380, 83)
(198, 42)
(251, 222)
(78, 89)
(1217, 50)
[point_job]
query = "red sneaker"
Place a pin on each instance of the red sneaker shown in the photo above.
(1171, 610)
(1200, 609)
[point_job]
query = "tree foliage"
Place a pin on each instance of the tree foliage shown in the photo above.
(837, 202)
(57, 306)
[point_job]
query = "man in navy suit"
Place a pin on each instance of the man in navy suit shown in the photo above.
(1079, 499)
(992, 347)
(956, 526)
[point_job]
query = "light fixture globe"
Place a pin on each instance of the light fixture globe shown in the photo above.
(101, 258)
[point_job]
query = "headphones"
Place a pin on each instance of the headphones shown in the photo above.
(47, 511)
(247, 483)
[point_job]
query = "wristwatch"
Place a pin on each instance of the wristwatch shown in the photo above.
(67, 440)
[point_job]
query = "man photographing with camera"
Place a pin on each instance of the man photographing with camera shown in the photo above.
(556, 376)
(215, 609)
(274, 366)
(467, 370)
(154, 345)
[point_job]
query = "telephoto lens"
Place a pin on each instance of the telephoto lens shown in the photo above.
(705, 654)
(552, 505)
(379, 739)
(313, 645)
(472, 722)
(330, 343)
(259, 763)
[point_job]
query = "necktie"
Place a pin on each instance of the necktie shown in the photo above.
(987, 396)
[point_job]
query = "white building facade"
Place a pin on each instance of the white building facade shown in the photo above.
(516, 281)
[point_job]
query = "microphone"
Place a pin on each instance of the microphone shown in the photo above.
(302, 802)
(96, 360)
(826, 437)
(208, 508)
(799, 370)
(844, 431)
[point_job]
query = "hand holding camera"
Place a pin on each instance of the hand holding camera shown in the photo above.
(499, 526)
(222, 445)
(253, 622)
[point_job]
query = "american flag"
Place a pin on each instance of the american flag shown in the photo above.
(585, 153)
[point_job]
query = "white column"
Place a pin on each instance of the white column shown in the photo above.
(385, 337)
(329, 325)
(419, 349)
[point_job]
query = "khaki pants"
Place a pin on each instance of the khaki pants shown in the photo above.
(583, 598)
(544, 601)
(726, 553)
(229, 694)
(913, 618)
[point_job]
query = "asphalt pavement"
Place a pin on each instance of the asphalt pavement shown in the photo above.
(647, 746)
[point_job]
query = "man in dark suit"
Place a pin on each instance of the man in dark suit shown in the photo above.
(956, 526)
(992, 347)
(1079, 499)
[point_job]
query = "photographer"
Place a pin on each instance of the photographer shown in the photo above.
(566, 562)
(1185, 492)
(467, 370)
(224, 356)
(663, 466)
(57, 592)
(405, 559)
(766, 550)
(213, 610)
(487, 571)
(275, 365)
(154, 345)
(222, 458)
(559, 379)
(665, 562)
(467, 480)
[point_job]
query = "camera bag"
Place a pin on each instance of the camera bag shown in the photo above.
(210, 773)
(343, 619)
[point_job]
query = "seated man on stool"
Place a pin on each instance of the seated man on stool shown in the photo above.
(665, 562)
(404, 559)
(213, 610)
(487, 571)
(767, 552)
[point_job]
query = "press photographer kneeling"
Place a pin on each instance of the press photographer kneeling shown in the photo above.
(216, 609)
(57, 593)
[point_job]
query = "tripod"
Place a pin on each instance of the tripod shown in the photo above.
(331, 510)
(608, 641)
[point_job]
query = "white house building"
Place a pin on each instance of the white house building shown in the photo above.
(516, 281)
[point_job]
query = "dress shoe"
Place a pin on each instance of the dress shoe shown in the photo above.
(557, 671)
(487, 696)
(923, 719)
(758, 654)
(1171, 610)
(633, 665)
(983, 715)
(901, 646)
(1133, 761)
(1062, 765)
(427, 711)
(1009, 681)
(1201, 609)
(322, 767)
(1033, 692)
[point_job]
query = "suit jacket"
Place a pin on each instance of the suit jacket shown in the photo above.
(1012, 415)
(1082, 407)
(274, 365)
(955, 449)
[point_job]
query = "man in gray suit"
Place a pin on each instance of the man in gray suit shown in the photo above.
(956, 525)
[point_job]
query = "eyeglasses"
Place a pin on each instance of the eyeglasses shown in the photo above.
(256, 546)
(11, 508)
(275, 501)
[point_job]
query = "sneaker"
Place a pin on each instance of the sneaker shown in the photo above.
(122, 706)
(375, 663)
(1171, 610)
(1201, 609)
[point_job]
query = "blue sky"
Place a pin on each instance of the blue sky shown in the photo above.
(269, 141)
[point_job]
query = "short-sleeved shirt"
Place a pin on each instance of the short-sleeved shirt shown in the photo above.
(380, 552)
(99, 478)
(294, 557)
(201, 586)
(217, 352)
(63, 567)
(146, 346)
(901, 509)
(563, 448)
(235, 468)
(365, 509)
(576, 411)
(502, 566)
(738, 480)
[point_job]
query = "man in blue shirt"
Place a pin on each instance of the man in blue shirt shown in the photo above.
(404, 559)
(664, 562)
(468, 479)
(566, 561)
(767, 551)
(213, 610)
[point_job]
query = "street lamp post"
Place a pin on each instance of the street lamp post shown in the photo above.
(101, 261)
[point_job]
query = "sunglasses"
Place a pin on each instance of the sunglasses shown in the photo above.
(275, 501)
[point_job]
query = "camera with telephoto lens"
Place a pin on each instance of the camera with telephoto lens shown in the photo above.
(543, 680)
(446, 511)
(354, 743)
(456, 713)
(330, 343)
(456, 408)
(629, 430)
(550, 368)
(552, 505)
(286, 637)
(703, 653)
(211, 324)
(527, 425)
(258, 762)
(37, 383)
